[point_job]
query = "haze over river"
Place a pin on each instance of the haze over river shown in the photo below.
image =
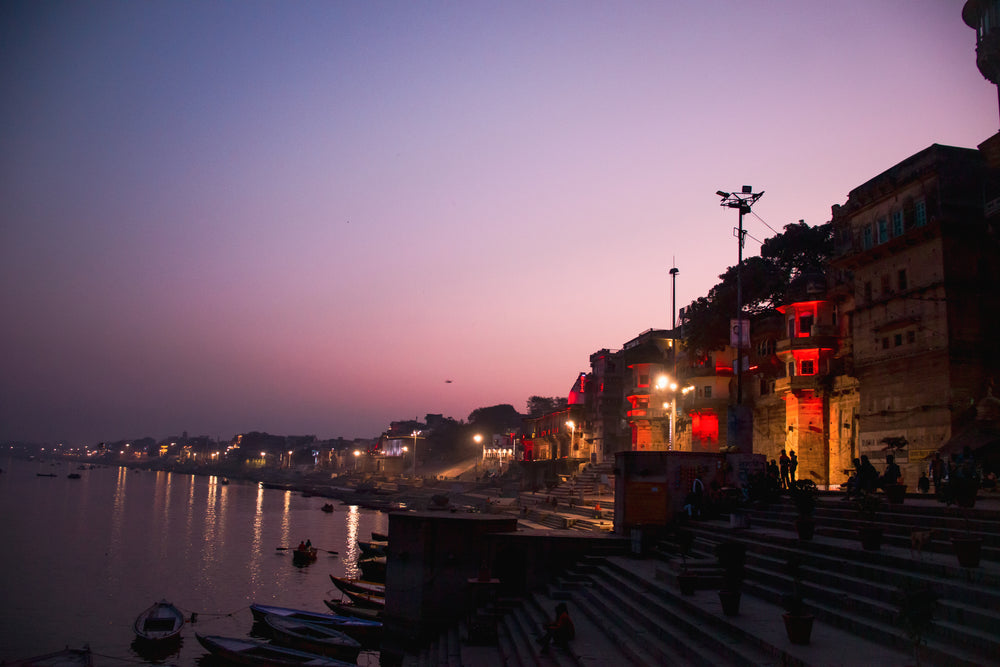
(82, 557)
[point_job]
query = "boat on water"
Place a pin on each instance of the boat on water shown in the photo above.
(372, 549)
(366, 631)
(68, 657)
(373, 569)
(46, 474)
(73, 475)
(303, 556)
(161, 622)
(351, 609)
(358, 585)
(328, 507)
(253, 652)
(379, 537)
(370, 600)
(312, 637)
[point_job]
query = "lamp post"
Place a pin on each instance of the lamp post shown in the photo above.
(572, 435)
(357, 455)
(673, 348)
(741, 201)
(478, 438)
(415, 434)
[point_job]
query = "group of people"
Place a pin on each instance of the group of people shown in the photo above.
(781, 472)
(866, 479)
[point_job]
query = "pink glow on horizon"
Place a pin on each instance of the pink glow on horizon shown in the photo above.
(306, 218)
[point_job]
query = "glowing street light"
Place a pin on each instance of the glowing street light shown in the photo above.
(357, 455)
(415, 434)
(572, 435)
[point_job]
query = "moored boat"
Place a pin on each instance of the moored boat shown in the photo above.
(358, 585)
(312, 637)
(379, 537)
(328, 507)
(373, 569)
(252, 652)
(367, 631)
(370, 600)
(372, 549)
(351, 609)
(68, 657)
(161, 622)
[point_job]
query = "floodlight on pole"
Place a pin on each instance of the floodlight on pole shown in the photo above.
(673, 346)
(741, 201)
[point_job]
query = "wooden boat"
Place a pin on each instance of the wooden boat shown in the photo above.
(312, 637)
(68, 657)
(328, 507)
(358, 585)
(73, 475)
(303, 556)
(350, 609)
(367, 631)
(379, 537)
(45, 474)
(370, 600)
(373, 569)
(372, 549)
(252, 652)
(161, 622)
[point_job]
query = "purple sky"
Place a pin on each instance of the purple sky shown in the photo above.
(304, 217)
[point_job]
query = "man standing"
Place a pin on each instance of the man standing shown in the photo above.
(793, 464)
(783, 462)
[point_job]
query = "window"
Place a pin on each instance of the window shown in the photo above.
(644, 379)
(791, 369)
(808, 367)
(901, 279)
(883, 230)
(897, 340)
(885, 343)
(868, 291)
(708, 391)
(791, 327)
(920, 213)
(911, 336)
(897, 223)
(805, 324)
(866, 237)
(886, 289)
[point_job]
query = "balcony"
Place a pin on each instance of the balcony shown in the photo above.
(797, 383)
(821, 337)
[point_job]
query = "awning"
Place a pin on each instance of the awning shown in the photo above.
(980, 436)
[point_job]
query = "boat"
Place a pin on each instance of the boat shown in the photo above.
(73, 475)
(161, 622)
(68, 657)
(327, 507)
(379, 537)
(373, 569)
(370, 600)
(46, 474)
(366, 631)
(253, 652)
(312, 637)
(303, 556)
(372, 549)
(358, 585)
(350, 609)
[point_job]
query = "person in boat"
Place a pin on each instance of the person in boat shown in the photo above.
(301, 547)
(560, 631)
(308, 543)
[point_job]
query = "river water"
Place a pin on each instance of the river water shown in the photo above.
(80, 558)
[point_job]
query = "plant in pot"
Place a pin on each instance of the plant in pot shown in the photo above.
(798, 621)
(803, 493)
(916, 614)
(732, 557)
(868, 505)
(685, 580)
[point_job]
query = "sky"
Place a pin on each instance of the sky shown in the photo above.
(307, 217)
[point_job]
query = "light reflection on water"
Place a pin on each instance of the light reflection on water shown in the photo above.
(126, 539)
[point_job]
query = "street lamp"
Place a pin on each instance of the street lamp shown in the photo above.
(357, 454)
(478, 438)
(741, 201)
(673, 349)
(415, 434)
(572, 435)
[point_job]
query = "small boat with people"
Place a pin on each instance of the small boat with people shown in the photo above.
(328, 507)
(358, 585)
(161, 622)
(254, 652)
(312, 637)
(366, 631)
(303, 554)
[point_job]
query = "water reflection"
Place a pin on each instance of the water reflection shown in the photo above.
(286, 518)
(255, 543)
(351, 557)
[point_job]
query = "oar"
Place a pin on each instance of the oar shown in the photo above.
(329, 551)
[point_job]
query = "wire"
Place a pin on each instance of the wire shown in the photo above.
(754, 213)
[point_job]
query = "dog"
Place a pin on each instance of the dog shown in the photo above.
(918, 540)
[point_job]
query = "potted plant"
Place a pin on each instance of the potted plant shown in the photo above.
(868, 505)
(732, 557)
(685, 580)
(798, 622)
(803, 493)
(916, 614)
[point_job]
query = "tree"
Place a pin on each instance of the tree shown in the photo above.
(541, 405)
(498, 418)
